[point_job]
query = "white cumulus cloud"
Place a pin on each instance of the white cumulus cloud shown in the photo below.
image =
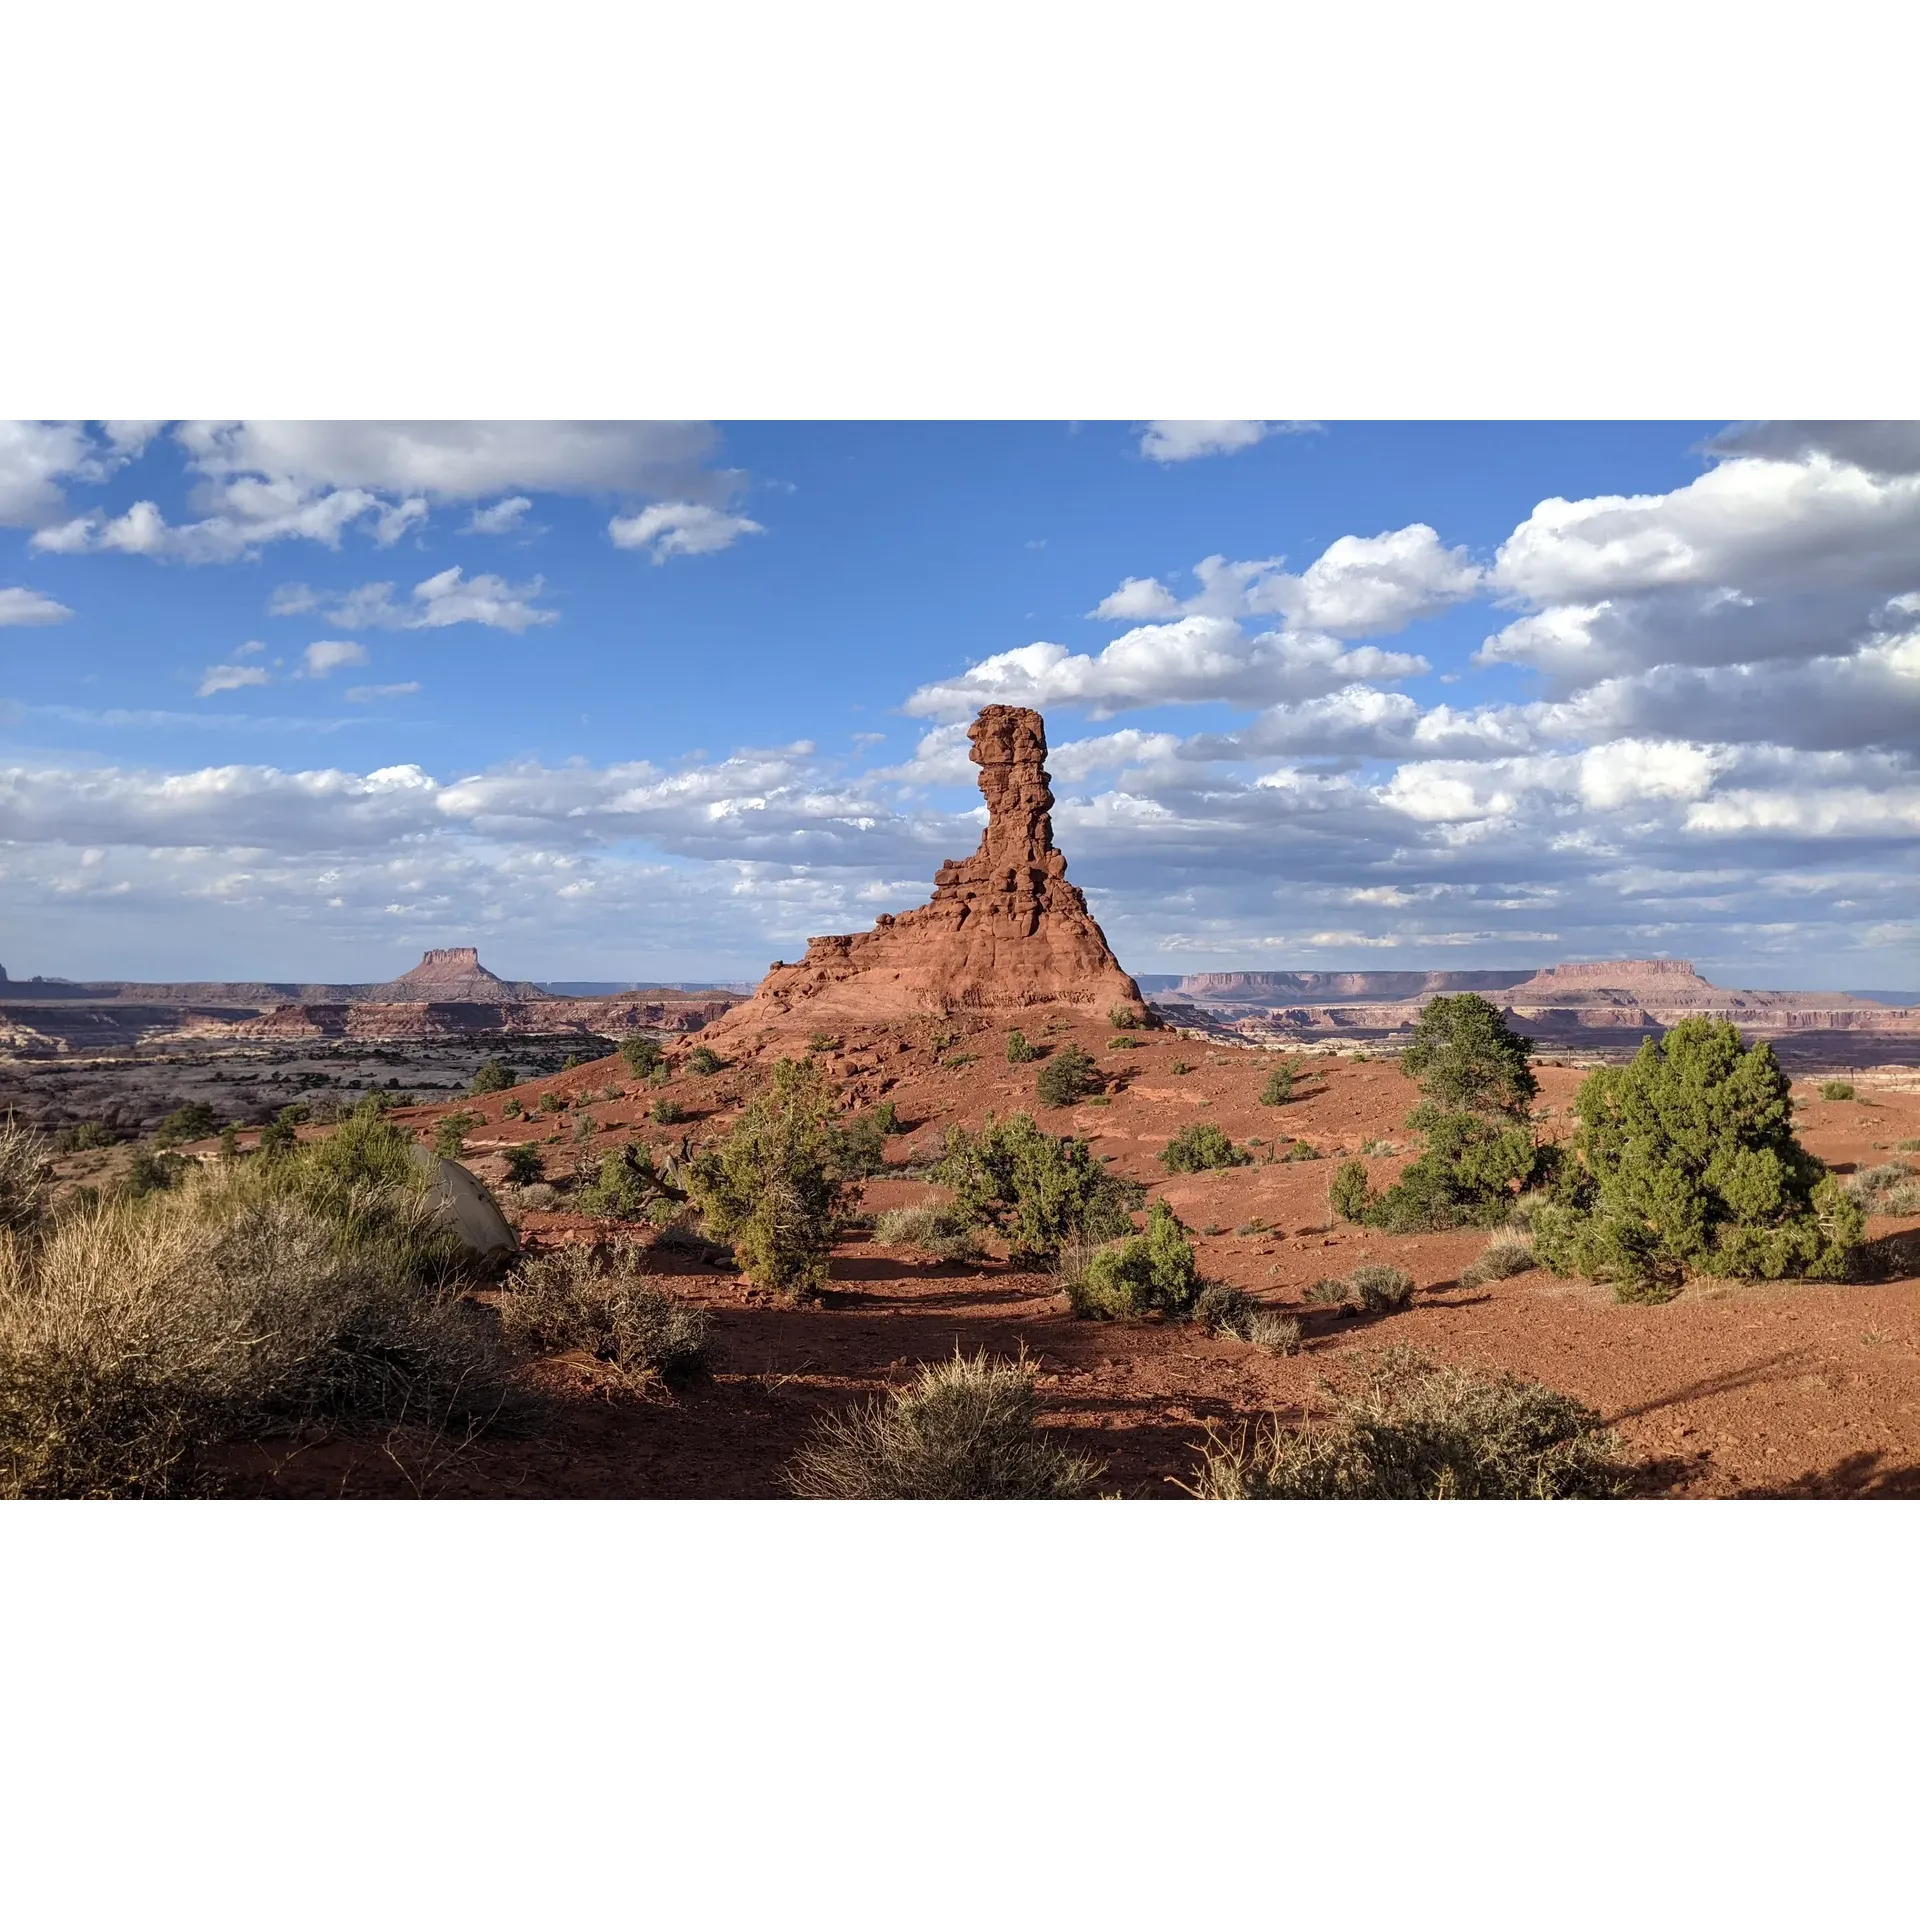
(22, 607)
(323, 656)
(680, 526)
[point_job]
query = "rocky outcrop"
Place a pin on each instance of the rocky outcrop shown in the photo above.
(1005, 928)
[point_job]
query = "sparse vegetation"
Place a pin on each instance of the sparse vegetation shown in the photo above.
(1349, 1193)
(450, 1134)
(1836, 1090)
(963, 1430)
(1124, 1043)
(1199, 1149)
(550, 1102)
(494, 1077)
(1181, 1067)
(1411, 1429)
(703, 1061)
(511, 1109)
(1279, 1086)
(1381, 1288)
(1687, 1160)
(1041, 1190)
(1301, 1150)
(1068, 1076)
(666, 1113)
(1328, 1292)
(1137, 1273)
(1020, 1049)
(598, 1300)
(771, 1189)
(87, 1135)
(1125, 1016)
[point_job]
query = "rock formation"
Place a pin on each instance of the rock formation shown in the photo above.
(452, 973)
(1005, 928)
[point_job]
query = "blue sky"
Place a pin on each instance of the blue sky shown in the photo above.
(657, 701)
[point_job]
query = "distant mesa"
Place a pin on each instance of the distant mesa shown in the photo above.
(453, 973)
(1005, 929)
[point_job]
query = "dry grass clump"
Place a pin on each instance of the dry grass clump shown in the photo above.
(1890, 1188)
(1276, 1332)
(26, 1171)
(1414, 1430)
(1328, 1292)
(253, 1300)
(1221, 1309)
(932, 1228)
(1381, 1288)
(1508, 1252)
(963, 1430)
(597, 1300)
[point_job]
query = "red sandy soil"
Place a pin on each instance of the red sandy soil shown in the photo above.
(1802, 1390)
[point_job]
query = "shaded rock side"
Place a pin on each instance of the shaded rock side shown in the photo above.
(1005, 927)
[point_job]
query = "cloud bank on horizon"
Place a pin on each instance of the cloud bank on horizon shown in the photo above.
(1699, 730)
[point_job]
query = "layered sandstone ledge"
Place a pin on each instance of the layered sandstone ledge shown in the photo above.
(1005, 928)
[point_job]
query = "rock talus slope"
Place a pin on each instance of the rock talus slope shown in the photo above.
(1004, 929)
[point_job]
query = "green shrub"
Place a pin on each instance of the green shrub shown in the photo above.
(1069, 1076)
(1279, 1087)
(525, 1165)
(152, 1173)
(1020, 1049)
(621, 1185)
(1200, 1148)
(666, 1113)
(26, 1174)
(1690, 1163)
(1381, 1288)
(1125, 1016)
(1349, 1193)
(1181, 1066)
(1468, 1175)
(511, 1109)
(703, 1061)
(1124, 1043)
(771, 1189)
(860, 1147)
(1836, 1090)
(597, 1300)
(933, 1228)
(1465, 1058)
(278, 1135)
(1414, 1430)
(1302, 1150)
(1138, 1273)
(1041, 1190)
(450, 1134)
(87, 1134)
(194, 1121)
(962, 1431)
(642, 1053)
(494, 1077)
(550, 1102)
